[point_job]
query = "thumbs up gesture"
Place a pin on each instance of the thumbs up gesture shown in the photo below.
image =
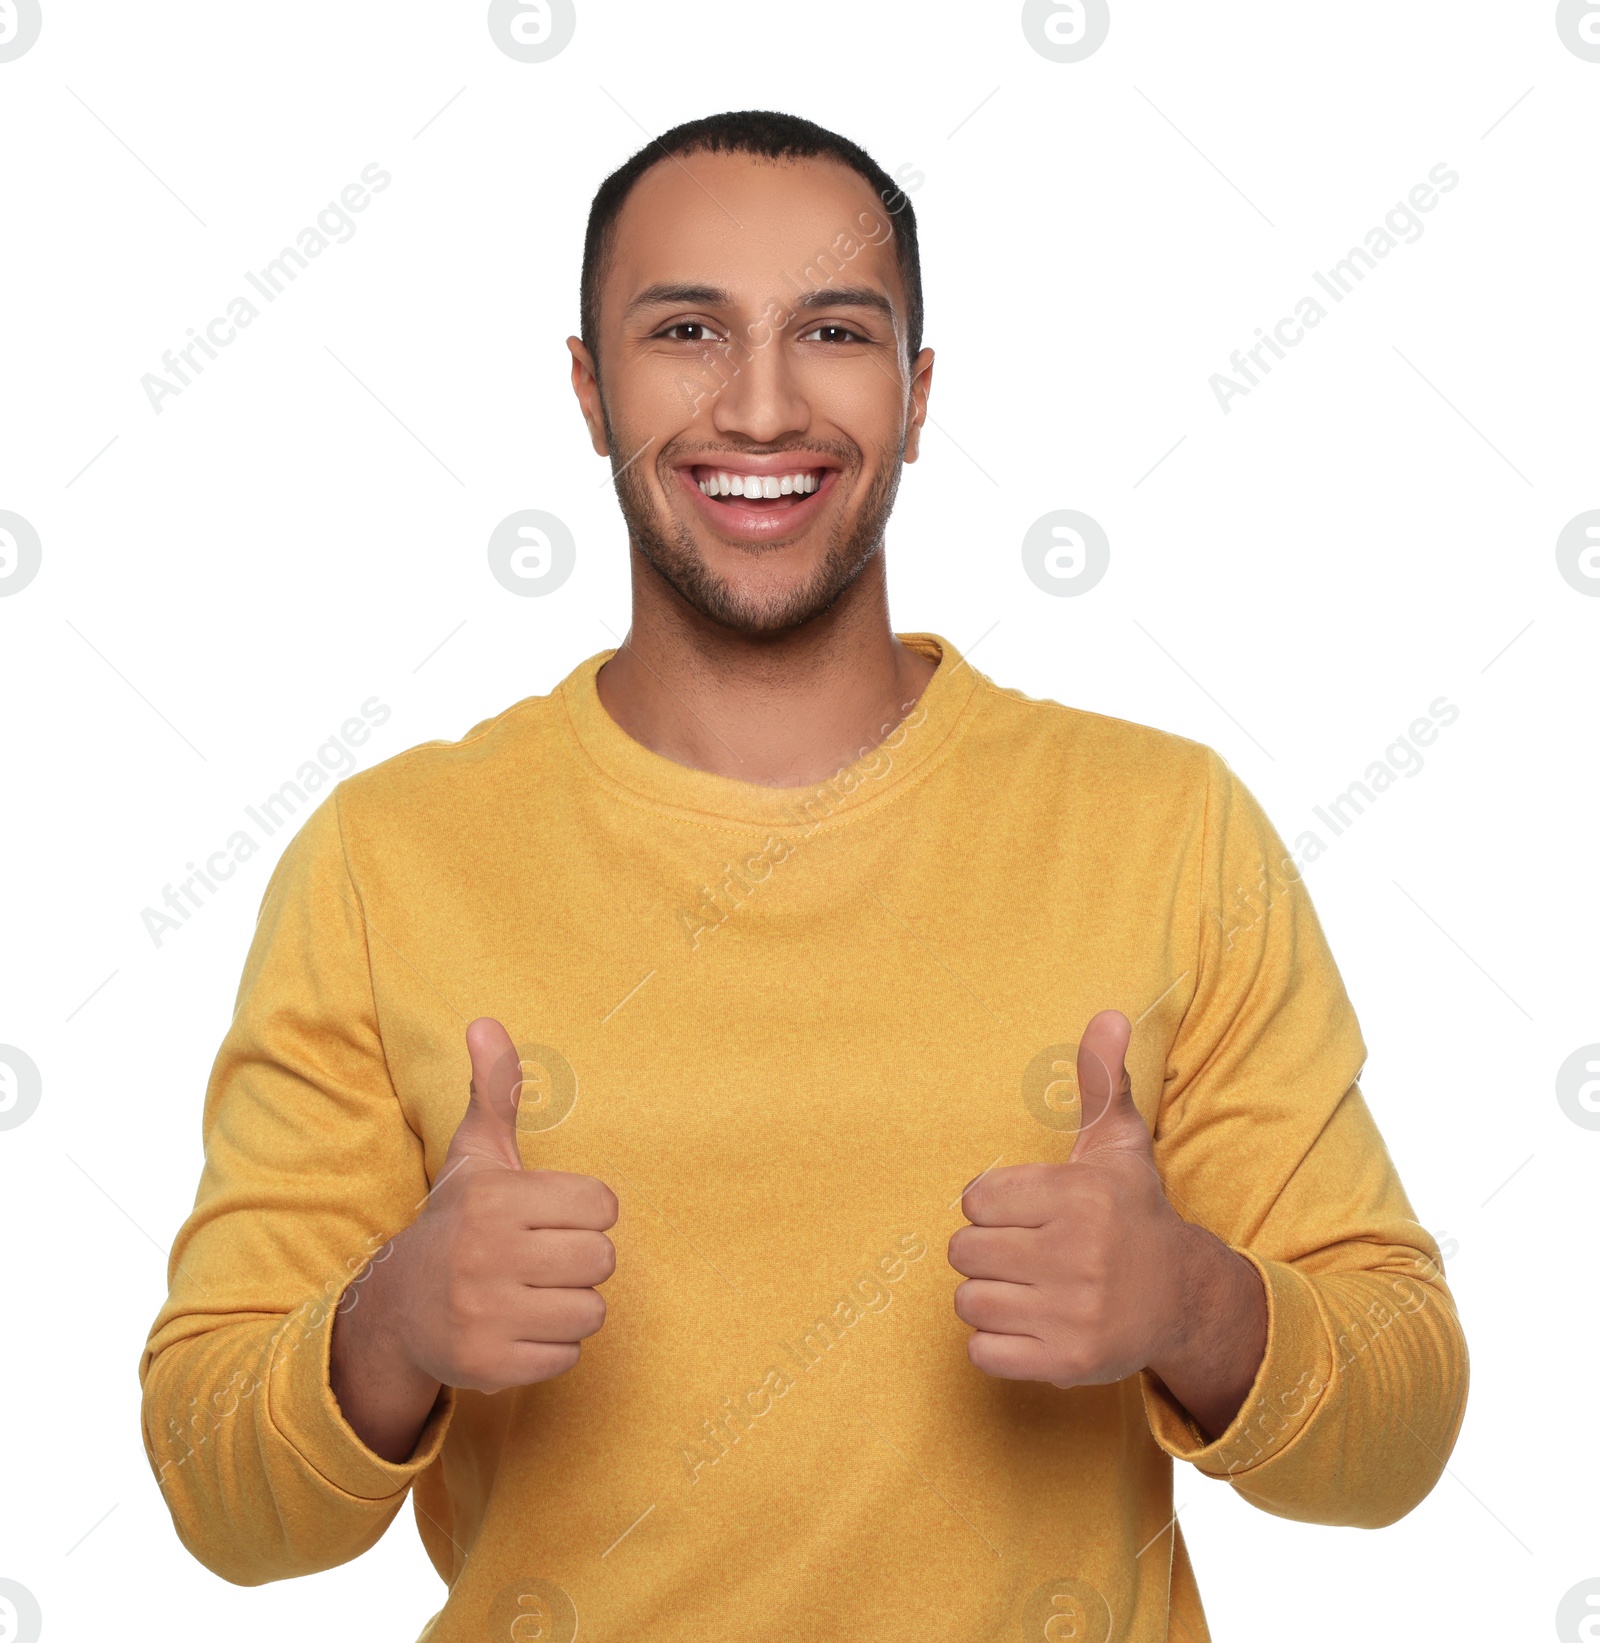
(493, 1284)
(1081, 1273)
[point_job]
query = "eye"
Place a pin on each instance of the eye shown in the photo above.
(688, 325)
(841, 333)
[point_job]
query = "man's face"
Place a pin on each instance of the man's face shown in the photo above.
(752, 324)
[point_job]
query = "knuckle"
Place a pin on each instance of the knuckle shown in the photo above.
(556, 1360)
(480, 1203)
(477, 1188)
(1092, 1256)
(477, 1370)
(1095, 1311)
(964, 1303)
(461, 1255)
(1104, 1264)
(592, 1311)
(1070, 1365)
(459, 1313)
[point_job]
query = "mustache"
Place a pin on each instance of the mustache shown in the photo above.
(846, 455)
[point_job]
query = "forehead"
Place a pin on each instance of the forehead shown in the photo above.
(759, 228)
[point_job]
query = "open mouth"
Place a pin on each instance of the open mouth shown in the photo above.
(759, 493)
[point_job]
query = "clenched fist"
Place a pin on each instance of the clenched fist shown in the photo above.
(493, 1284)
(1082, 1273)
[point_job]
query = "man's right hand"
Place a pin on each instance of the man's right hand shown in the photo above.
(492, 1286)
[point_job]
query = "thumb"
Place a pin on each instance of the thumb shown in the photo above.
(1109, 1122)
(489, 1129)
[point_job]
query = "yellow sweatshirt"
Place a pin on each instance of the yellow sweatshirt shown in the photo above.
(787, 1026)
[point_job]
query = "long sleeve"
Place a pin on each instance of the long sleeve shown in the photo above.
(310, 1167)
(1264, 1138)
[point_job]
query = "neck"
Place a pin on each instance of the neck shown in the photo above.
(780, 710)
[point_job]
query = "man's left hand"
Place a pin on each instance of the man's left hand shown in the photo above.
(1082, 1273)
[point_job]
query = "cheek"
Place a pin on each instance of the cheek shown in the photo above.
(855, 391)
(663, 397)
(860, 399)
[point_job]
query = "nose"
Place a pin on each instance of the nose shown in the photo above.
(761, 401)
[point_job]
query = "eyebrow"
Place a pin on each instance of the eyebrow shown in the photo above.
(712, 296)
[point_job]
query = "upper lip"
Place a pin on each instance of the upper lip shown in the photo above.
(794, 463)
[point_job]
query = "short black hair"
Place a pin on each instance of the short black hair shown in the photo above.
(772, 136)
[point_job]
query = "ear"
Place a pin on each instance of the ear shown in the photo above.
(921, 384)
(586, 385)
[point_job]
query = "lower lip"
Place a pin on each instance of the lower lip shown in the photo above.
(732, 518)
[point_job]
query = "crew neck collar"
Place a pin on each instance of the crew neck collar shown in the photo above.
(907, 751)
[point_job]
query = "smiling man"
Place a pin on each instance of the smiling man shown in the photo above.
(953, 1092)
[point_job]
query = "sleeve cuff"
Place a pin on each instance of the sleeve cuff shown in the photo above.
(1295, 1375)
(303, 1411)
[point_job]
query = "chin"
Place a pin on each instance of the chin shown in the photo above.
(758, 590)
(761, 606)
(763, 617)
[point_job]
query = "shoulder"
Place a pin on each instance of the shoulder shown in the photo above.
(494, 764)
(1118, 756)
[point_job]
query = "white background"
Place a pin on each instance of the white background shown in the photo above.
(304, 528)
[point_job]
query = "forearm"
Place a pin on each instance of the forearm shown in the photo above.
(261, 1480)
(1383, 1411)
(1219, 1342)
(1358, 1399)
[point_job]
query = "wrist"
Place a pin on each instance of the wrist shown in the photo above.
(1218, 1335)
(1191, 1264)
(367, 1346)
(384, 1395)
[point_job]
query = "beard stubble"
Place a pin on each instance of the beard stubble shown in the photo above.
(670, 547)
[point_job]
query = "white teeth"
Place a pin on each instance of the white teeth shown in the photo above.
(723, 483)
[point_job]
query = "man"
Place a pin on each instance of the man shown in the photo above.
(778, 954)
